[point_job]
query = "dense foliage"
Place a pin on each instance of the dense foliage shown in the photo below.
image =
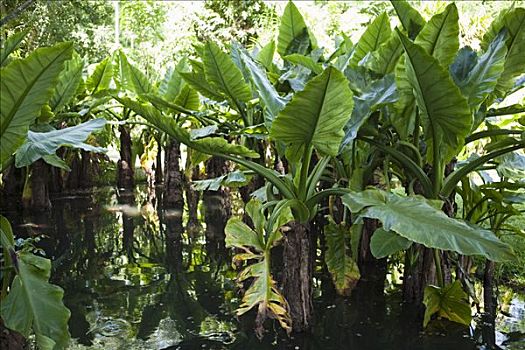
(361, 146)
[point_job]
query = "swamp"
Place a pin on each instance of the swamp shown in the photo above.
(252, 174)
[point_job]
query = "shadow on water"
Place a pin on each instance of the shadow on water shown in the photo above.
(135, 279)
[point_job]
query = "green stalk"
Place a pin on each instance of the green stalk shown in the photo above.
(307, 156)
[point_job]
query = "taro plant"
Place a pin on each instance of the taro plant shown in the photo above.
(443, 99)
(326, 107)
(30, 304)
(254, 245)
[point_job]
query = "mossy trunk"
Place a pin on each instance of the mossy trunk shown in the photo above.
(173, 186)
(217, 204)
(125, 174)
(192, 199)
(298, 276)
(39, 180)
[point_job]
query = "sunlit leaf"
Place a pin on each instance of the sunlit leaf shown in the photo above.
(449, 302)
(26, 85)
(419, 221)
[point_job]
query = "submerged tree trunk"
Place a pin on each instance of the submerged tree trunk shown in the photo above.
(173, 187)
(419, 272)
(124, 165)
(192, 198)
(12, 187)
(298, 276)
(39, 186)
(217, 204)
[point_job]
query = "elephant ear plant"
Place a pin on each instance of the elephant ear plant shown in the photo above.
(30, 304)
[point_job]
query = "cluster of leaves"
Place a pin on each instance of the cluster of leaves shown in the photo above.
(405, 101)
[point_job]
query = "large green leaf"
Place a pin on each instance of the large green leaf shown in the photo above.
(377, 33)
(100, 79)
(417, 220)
(33, 303)
(11, 44)
(409, 17)
(378, 94)
(263, 291)
(449, 302)
(26, 85)
(384, 243)
(265, 55)
(514, 22)
(483, 76)
(68, 83)
(172, 84)
(188, 98)
(293, 32)
(440, 36)
(208, 145)
(224, 75)
(446, 117)
(305, 61)
(39, 144)
(344, 270)
(132, 78)
(271, 101)
(384, 59)
(315, 116)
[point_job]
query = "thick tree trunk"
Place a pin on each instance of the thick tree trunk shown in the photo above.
(124, 165)
(173, 187)
(192, 198)
(11, 340)
(217, 204)
(298, 276)
(87, 170)
(419, 272)
(39, 186)
(12, 187)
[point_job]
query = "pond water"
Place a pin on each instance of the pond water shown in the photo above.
(130, 286)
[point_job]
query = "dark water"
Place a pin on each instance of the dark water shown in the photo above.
(131, 284)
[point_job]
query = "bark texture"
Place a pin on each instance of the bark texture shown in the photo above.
(298, 276)
(173, 186)
(192, 198)
(39, 186)
(217, 204)
(124, 166)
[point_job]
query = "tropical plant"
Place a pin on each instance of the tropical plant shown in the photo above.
(29, 302)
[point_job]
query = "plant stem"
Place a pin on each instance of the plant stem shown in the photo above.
(304, 171)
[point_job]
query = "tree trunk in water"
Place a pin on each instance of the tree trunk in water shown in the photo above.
(12, 187)
(419, 272)
(217, 204)
(370, 268)
(192, 198)
(86, 174)
(298, 276)
(124, 165)
(173, 187)
(39, 186)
